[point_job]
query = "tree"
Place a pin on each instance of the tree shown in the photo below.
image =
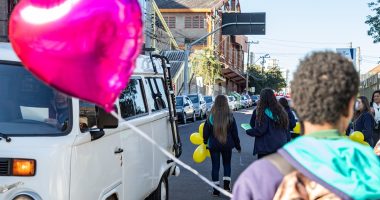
(270, 79)
(205, 64)
(374, 21)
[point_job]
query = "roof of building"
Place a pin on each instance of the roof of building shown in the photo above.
(375, 70)
(176, 59)
(187, 4)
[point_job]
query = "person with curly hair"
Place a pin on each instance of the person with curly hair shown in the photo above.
(269, 124)
(322, 163)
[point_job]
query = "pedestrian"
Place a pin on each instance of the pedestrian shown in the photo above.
(375, 109)
(269, 124)
(321, 164)
(363, 120)
(220, 135)
(292, 120)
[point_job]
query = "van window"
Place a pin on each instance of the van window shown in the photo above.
(156, 94)
(87, 116)
(131, 100)
(30, 108)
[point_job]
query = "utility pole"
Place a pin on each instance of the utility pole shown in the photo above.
(248, 63)
(263, 61)
(358, 57)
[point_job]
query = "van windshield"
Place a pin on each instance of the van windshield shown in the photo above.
(30, 108)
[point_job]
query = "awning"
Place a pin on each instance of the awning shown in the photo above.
(233, 75)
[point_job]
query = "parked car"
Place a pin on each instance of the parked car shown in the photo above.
(96, 156)
(209, 103)
(244, 102)
(199, 105)
(255, 99)
(232, 102)
(185, 109)
(237, 98)
(250, 102)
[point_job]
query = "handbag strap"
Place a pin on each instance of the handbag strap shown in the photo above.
(280, 163)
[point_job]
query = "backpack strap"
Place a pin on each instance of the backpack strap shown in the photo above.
(280, 163)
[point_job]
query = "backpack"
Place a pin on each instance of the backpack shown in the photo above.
(295, 185)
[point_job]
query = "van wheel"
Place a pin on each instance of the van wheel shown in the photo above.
(184, 118)
(162, 191)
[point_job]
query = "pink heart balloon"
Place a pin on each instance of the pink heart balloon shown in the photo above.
(84, 48)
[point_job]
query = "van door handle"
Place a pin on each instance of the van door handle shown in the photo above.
(118, 150)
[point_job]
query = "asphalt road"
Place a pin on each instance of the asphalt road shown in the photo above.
(187, 185)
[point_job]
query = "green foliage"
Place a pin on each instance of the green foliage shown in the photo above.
(270, 79)
(374, 21)
(206, 65)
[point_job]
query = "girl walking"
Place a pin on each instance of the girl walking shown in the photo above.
(220, 134)
(269, 124)
(292, 120)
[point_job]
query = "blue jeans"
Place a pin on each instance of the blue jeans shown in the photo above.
(215, 161)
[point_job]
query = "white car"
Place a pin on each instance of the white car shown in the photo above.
(232, 102)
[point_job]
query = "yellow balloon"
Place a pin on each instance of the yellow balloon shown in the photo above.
(200, 154)
(208, 153)
(196, 138)
(357, 136)
(297, 128)
(364, 143)
(200, 130)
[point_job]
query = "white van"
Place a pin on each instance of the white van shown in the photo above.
(84, 153)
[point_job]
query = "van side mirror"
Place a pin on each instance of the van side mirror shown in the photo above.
(105, 120)
(187, 104)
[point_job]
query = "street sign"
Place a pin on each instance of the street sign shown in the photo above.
(257, 26)
(349, 53)
(199, 81)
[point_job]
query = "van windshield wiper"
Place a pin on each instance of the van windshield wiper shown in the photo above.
(6, 137)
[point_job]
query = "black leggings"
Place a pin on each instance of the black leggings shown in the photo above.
(215, 161)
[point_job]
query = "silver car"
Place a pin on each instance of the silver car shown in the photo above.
(209, 103)
(199, 105)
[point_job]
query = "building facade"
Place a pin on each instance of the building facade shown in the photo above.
(190, 20)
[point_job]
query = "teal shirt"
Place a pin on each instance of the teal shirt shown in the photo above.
(348, 166)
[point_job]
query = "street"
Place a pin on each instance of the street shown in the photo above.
(188, 185)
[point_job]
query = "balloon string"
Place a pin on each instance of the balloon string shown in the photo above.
(241, 161)
(171, 156)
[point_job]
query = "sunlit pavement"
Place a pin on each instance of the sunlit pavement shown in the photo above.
(187, 185)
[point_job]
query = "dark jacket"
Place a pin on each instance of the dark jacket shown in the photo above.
(365, 124)
(292, 122)
(213, 143)
(268, 137)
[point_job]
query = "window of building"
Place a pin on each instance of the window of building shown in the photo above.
(197, 21)
(188, 21)
(156, 94)
(170, 21)
(131, 99)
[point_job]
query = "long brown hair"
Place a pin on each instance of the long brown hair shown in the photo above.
(268, 100)
(221, 118)
(366, 107)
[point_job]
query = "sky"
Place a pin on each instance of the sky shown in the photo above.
(295, 28)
